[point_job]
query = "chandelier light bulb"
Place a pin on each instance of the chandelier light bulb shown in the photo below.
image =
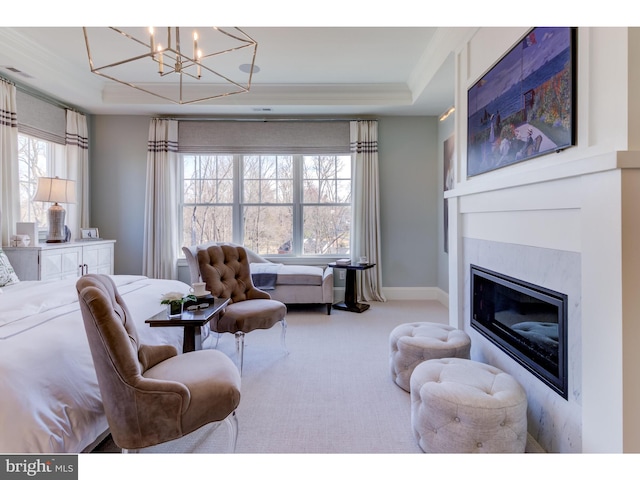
(195, 45)
(151, 40)
(160, 60)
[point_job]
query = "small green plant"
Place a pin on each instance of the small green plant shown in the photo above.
(177, 298)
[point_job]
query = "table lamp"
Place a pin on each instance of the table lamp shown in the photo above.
(55, 190)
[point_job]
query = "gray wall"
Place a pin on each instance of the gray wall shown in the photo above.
(117, 166)
(409, 188)
(408, 200)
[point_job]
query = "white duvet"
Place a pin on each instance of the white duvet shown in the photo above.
(49, 395)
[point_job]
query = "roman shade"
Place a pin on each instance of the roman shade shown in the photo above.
(39, 118)
(264, 137)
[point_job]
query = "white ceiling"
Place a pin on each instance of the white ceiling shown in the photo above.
(303, 71)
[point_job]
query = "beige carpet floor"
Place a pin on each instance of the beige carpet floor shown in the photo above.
(332, 393)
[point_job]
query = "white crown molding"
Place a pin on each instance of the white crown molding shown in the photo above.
(365, 94)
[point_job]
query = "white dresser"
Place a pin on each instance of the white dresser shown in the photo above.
(55, 261)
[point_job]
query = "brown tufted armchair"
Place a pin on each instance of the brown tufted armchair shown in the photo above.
(225, 270)
(150, 394)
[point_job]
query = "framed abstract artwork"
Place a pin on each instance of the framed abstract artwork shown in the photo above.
(525, 105)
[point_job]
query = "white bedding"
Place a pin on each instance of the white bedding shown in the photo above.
(49, 395)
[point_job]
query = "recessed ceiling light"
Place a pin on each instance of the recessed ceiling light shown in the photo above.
(246, 68)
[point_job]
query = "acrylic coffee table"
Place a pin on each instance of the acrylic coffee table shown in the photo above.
(191, 321)
(351, 303)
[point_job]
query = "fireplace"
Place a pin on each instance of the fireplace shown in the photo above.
(527, 321)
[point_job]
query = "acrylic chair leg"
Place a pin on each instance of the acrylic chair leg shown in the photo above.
(232, 424)
(240, 350)
(283, 336)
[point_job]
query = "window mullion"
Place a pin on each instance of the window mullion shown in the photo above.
(298, 231)
(238, 177)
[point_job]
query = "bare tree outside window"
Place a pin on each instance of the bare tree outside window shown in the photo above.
(267, 204)
(326, 204)
(285, 204)
(207, 198)
(34, 161)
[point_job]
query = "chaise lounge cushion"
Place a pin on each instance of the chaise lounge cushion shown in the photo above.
(299, 275)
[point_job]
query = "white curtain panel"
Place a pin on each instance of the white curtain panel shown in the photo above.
(161, 214)
(77, 153)
(9, 177)
(365, 232)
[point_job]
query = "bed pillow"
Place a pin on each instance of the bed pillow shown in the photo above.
(7, 274)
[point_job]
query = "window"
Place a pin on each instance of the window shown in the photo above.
(272, 204)
(36, 158)
(208, 198)
(326, 204)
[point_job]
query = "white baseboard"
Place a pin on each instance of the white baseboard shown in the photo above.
(407, 293)
(416, 293)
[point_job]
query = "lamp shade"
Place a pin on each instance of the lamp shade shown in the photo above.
(55, 190)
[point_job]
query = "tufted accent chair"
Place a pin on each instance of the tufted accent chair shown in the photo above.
(295, 284)
(150, 393)
(225, 270)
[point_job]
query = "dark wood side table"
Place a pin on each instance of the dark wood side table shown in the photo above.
(192, 321)
(350, 303)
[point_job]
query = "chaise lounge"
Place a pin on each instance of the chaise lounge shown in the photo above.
(289, 284)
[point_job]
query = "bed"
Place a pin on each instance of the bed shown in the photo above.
(50, 400)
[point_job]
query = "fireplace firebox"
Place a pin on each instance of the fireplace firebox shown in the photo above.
(527, 321)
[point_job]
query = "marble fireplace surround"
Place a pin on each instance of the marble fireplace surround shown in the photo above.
(554, 423)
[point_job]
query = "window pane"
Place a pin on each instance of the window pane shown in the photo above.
(251, 166)
(268, 169)
(268, 229)
(207, 223)
(327, 179)
(284, 191)
(326, 230)
(225, 166)
(224, 191)
(251, 191)
(285, 167)
(343, 191)
(326, 198)
(267, 179)
(207, 167)
(311, 191)
(208, 191)
(207, 198)
(343, 167)
(34, 160)
(189, 166)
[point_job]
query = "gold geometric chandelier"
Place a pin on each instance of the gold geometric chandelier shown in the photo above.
(180, 64)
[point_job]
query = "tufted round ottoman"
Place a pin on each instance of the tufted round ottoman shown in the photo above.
(412, 343)
(463, 406)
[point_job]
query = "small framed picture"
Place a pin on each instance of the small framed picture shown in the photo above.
(89, 234)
